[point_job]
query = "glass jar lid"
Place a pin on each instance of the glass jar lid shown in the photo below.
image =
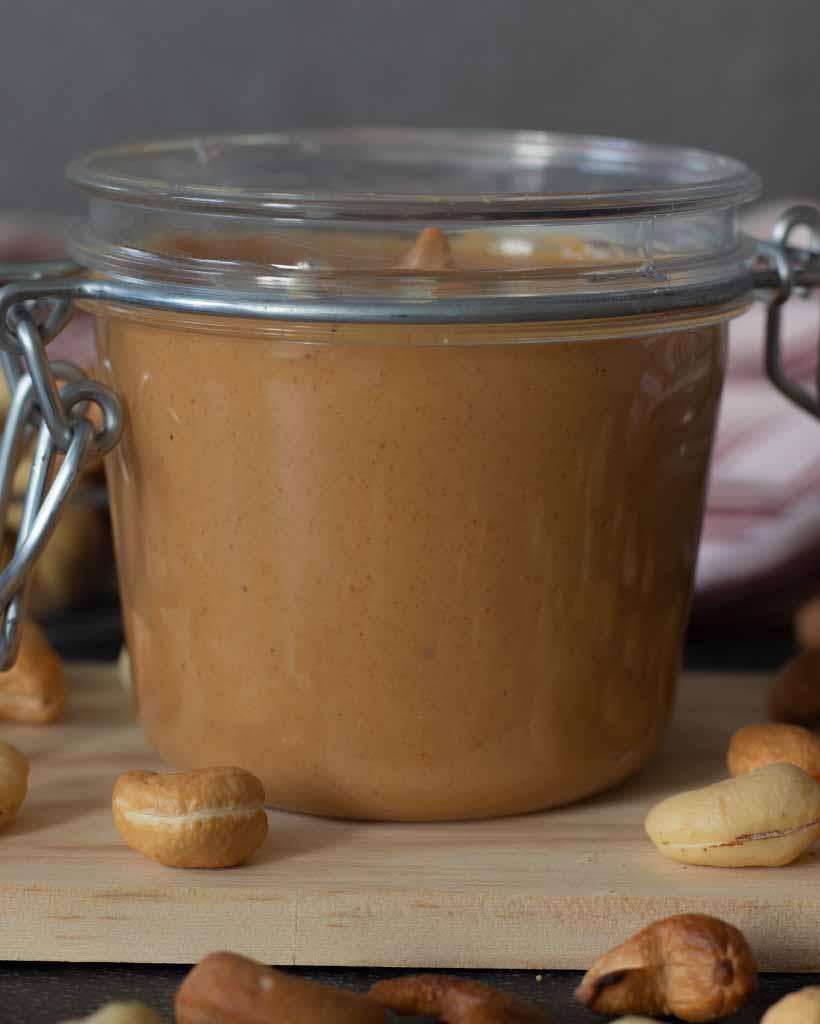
(427, 174)
(422, 224)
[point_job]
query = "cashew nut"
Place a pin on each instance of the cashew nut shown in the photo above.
(211, 818)
(34, 689)
(801, 1007)
(454, 1000)
(121, 1013)
(13, 781)
(693, 966)
(225, 988)
(765, 818)
(807, 624)
(431, 251)
(755, 746)
(795, 693)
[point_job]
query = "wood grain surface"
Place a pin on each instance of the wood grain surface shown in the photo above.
(548, 890)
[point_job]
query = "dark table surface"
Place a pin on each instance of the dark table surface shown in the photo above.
(47, 993)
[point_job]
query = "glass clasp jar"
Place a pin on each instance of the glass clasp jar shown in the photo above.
(407, 440)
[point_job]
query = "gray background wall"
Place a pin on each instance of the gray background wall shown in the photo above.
(741, 76)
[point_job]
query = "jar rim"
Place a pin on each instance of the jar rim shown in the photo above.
(413, 174)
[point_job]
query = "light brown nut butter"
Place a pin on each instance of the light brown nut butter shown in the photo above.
(211, 818)
(225, 988)
(795, 693)
(34, 689)
(801, 1007)
(121, 1013)
(454, 1000)
(807, 624)
(755, 746)
(13, 781)
(691, 966)
(431, 251)
(766, 818)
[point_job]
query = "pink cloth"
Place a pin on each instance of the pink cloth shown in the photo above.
(75, 342)
(27, 236)
(762, 527)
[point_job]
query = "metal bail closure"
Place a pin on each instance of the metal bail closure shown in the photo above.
(57, 414)
(796, 270)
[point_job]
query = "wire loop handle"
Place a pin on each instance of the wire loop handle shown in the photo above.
(57, 414)
(794, 269)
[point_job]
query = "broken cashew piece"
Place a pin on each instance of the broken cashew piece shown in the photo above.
(690, 966)
(755, 746)
(210, 818)
(801, 1007)
(121, 1013)
(224, 988)
(34, 688)
(13, 781)
(431, 251)
(766, 818)
(454, 1000)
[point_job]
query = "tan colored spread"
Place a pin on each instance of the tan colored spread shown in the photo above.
(401, 572)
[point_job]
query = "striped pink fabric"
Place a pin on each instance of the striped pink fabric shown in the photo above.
(762, 527)
(29, 236)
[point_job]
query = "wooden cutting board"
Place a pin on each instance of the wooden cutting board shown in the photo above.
(547, 890)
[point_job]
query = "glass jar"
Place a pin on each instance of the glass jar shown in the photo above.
(418, 427)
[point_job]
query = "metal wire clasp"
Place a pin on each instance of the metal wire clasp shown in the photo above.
(57, 414)
(794, 269)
